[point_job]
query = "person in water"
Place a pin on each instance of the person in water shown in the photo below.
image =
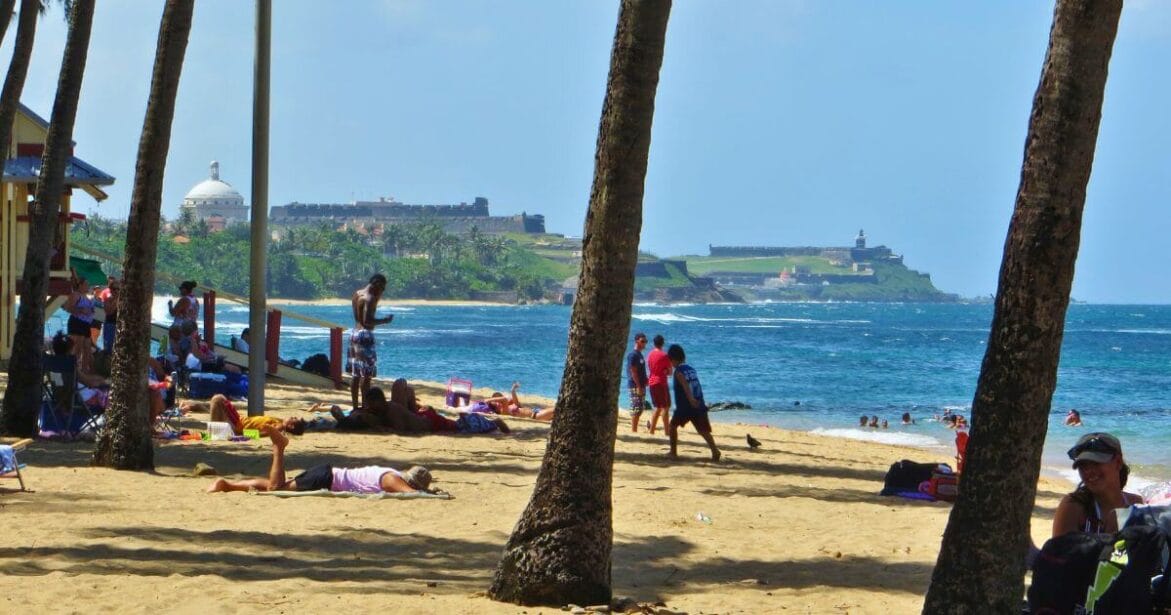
(1073, 419)
(1097, 457)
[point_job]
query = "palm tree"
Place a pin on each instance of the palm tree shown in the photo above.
(125, 443)
(6, 8)
(26, 30)
(981, 560)
(560, 550)
(21, 400)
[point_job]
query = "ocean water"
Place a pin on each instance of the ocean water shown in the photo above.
(805, 366)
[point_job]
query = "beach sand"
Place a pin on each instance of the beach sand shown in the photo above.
(796, 527)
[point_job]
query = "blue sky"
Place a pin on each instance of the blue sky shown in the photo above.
(778, 122)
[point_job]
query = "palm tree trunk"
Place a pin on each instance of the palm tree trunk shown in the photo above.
(26, 31)
(560, 550)
(22, 399)
(126, 442)
(981, 561)
(6, 8)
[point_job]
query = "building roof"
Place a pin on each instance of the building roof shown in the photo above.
(214, 189)
(78, 174)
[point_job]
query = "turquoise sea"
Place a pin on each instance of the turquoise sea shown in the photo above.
(805, 366)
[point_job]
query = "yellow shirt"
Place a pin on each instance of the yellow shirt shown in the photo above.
(256, 422)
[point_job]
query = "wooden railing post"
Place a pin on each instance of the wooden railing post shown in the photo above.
(272, 340)
(335, 356)
(209, 318)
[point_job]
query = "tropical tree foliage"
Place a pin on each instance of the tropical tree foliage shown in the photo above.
(306, 262)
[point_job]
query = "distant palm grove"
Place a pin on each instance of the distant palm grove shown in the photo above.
(420, 260)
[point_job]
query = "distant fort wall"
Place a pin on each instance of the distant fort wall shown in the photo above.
(839, 253)
(454, 218)
(658, 269)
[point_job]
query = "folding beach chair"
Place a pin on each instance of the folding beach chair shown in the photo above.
(9, 465)
(63, 410)
(459, 392)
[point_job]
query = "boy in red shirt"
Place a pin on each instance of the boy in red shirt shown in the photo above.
(659, 374)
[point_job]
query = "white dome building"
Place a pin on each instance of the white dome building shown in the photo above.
(215, 197)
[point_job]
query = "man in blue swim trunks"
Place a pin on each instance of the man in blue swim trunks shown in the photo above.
(363, 356)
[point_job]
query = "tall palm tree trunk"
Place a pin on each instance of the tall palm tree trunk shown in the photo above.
(22, 399)
(22, 51)
(6, 8)
(981, 561)
(126, 442)
(560, 550)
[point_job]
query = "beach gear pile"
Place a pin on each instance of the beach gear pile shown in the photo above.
(921, 481)
(1103, 574)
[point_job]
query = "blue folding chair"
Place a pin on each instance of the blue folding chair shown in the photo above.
(62, 409)
(9, 465)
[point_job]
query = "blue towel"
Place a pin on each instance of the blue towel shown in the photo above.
(7, 458)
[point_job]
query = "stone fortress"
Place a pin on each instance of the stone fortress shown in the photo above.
(857, 260)
(387, 211)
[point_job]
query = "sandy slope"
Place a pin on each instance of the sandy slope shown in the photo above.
(795, 528)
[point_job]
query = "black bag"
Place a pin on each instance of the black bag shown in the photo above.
(317, 364)
(1063, 570)
(906, 475)
(1137, 557)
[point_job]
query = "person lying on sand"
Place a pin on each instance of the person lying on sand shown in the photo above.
(368, 479)
(403, 414)
(222, 410)
(499, 403)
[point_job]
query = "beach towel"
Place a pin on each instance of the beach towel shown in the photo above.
(412, 495)
(7, 458)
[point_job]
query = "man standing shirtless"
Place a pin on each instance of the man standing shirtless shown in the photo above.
(363, 356)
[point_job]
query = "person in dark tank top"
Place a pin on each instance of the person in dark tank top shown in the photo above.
(689, 403)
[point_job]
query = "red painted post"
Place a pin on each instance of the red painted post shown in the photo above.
(335, 356)
(209, 318)
(272, 340)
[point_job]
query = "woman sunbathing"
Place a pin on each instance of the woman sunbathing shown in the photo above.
(369, 479)
(499, 403)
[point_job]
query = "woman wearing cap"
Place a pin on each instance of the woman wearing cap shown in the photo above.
(369, 479)
(186, 309)
(1097, 457)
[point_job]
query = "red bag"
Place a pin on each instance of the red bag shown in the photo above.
(943, 486)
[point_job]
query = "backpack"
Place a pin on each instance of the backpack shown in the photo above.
(1062, 572)
(1132, 574)
(1129, 573)
(906, 475)
(317, 364)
